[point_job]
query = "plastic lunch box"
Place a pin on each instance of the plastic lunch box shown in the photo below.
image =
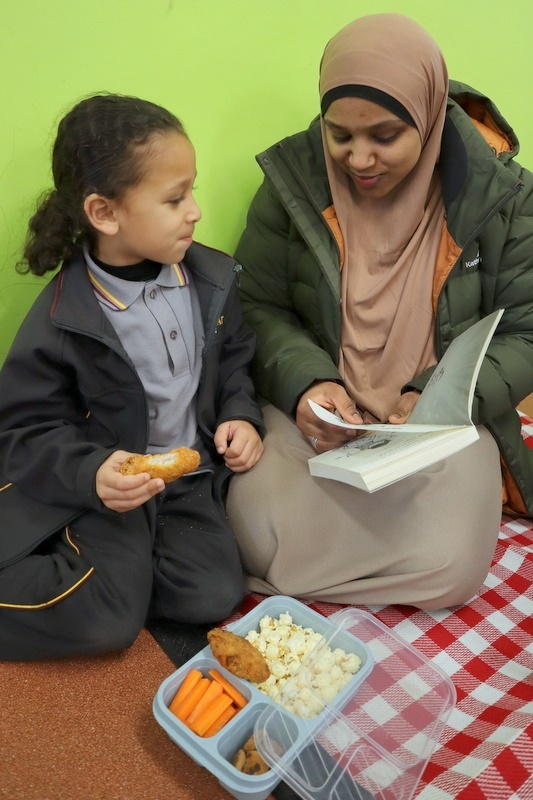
(372, 742)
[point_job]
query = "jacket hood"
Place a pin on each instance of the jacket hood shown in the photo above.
(487, 118)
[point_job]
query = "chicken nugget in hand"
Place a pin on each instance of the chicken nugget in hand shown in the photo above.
(168, 466)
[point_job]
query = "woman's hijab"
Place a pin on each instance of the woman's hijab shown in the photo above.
(390, 243)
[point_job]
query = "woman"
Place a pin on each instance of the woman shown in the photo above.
(396, 221)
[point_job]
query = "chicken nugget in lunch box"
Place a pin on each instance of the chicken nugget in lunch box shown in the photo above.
(238, 656)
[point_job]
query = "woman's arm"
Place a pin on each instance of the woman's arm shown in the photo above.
(506, 281)
(288, 357)
(506, 375)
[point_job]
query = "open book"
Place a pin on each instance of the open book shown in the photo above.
(439, 425)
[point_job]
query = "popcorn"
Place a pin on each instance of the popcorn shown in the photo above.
(285, 645)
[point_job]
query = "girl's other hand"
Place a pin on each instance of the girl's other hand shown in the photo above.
(319, 434)
(239, 443)
(124, 492)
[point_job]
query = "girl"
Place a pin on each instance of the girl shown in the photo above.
(137, 345)
(397, 220)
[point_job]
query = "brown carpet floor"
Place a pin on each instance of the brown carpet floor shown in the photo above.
(83, 729)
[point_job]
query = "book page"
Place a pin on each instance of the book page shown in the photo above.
(447, 398)
(375, 447)
(446, 401)
(383, 427)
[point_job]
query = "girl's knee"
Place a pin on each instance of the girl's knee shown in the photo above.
(37, 635)
(203, 601)
(110, 634)
(220, 603)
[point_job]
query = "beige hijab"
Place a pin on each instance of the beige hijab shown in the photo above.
(390, 244)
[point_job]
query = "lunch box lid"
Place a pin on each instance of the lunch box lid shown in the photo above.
(375, 743)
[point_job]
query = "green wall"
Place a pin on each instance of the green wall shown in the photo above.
(240, 74)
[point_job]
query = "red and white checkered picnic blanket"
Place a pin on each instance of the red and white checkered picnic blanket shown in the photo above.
(486, 647)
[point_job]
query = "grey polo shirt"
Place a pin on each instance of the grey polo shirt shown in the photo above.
(159, 325)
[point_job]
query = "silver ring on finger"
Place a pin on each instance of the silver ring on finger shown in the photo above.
(314, 443)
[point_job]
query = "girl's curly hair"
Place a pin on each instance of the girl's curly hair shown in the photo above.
(100, 147)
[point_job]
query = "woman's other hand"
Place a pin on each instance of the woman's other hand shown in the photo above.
(333, 397)
(405, 405)
(124, 492)
(239, 443)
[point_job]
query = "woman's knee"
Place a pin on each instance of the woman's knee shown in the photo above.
(453, 582)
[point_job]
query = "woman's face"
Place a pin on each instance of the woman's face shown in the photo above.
(371, 144)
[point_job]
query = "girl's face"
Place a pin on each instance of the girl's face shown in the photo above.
(156, 218)
(371, 144)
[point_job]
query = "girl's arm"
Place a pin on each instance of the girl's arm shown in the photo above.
(123, 493)
(44, 446)
(239, 443)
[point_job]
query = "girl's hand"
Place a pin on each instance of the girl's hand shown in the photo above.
(239, 443)
(124, 492)
(405, 405)
(319, 434)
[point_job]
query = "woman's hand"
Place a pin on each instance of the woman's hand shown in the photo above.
(405, 405)
(333, 397)
(239, 443)
(124, 492)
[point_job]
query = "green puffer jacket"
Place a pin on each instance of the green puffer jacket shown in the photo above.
(291, 255)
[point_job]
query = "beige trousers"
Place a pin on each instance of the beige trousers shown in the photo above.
(425, 541)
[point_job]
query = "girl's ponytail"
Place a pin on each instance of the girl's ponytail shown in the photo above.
(100, 148)
(52, 234)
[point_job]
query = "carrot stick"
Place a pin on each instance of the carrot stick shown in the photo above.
(188, 683)
(228, 687)
(210, 714)
(219, 723)
(187, 705)
(212, 692)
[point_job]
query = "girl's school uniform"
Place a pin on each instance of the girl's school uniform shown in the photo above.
(76, 577)
(159, 323)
